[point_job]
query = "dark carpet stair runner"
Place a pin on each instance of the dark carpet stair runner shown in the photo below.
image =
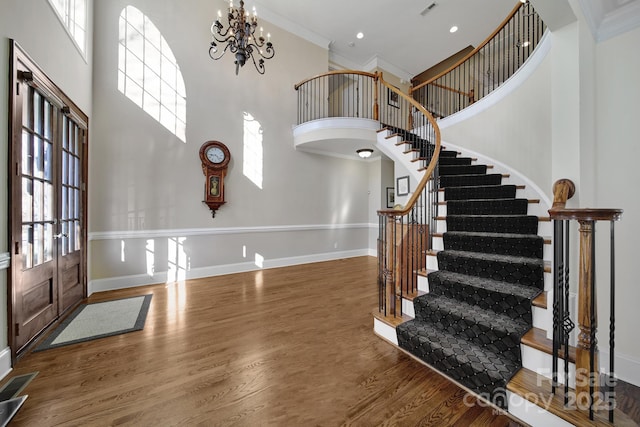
(478, 307)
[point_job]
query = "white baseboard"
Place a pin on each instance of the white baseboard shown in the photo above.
(123, 282)
(5, 362)
(625, 367)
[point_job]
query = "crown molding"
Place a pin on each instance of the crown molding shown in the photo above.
(608, 25)
(290, 26)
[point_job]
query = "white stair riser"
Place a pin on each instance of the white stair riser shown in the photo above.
(432, 262)
(542, 318)
(541, 363)
(407, 308)
(385, 331)
(423, 284)
(533, 414)
(438, 243)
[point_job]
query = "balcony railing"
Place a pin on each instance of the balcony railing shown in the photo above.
(485, 68)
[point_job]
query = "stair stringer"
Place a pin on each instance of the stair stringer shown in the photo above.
(397, 153)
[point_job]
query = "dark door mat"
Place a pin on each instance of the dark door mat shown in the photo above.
(15, 385)
(9, 408)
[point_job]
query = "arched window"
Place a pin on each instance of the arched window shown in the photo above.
(148, 73)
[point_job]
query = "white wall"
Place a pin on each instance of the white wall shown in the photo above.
(616, 176)
(144, 179)
(515, 131)
(34, 25)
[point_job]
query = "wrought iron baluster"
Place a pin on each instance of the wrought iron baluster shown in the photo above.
(592, 315)
(567, 324)
(612, 320)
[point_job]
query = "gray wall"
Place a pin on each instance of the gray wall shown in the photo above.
(145, 180)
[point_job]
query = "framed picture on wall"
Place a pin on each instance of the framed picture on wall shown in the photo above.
(392, 98)
(391, 197)
(402, 184)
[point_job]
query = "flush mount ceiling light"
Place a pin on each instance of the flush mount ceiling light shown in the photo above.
(240, 39)
(364, 152)
(360, 35)
(453, 29)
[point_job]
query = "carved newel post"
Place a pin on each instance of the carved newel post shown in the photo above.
(587, 320)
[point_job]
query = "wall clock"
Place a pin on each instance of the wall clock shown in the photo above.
(215, 157)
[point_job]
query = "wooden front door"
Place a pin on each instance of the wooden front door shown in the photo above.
(47, 202)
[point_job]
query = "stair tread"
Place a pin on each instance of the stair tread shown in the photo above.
(493, 257)
(497, 257)
(540, 301)
(446, 202)
(392, 321)
(537, 390)
(486, 370)
(489, 284)
(473, 313)
(433, 330)
(518, 187)
(413, 294)
(424, 272)
(547, 240)
(489, 234)
(537, 338)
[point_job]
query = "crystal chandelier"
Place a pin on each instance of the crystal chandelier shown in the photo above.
(240, 38)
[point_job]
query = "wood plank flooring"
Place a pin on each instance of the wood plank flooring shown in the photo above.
(286, 347)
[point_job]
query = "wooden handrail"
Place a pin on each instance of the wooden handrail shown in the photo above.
(434, 159)
(473, 52)
(563, 190)
(469, 94)
(329, 73)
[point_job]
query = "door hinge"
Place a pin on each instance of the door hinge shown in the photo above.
(17, 329)
(26, 76)
(17, 169)
(17, 248)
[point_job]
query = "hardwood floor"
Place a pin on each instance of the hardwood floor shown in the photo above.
(290, 346)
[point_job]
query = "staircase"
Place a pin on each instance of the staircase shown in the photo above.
(479, 303)
(480, 314)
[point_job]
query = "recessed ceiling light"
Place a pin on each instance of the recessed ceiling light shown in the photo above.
(453, 29)
(360, 35)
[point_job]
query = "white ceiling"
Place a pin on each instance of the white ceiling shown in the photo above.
(396, 36)
(402, 40)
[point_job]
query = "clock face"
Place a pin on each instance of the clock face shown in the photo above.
(215, 155)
